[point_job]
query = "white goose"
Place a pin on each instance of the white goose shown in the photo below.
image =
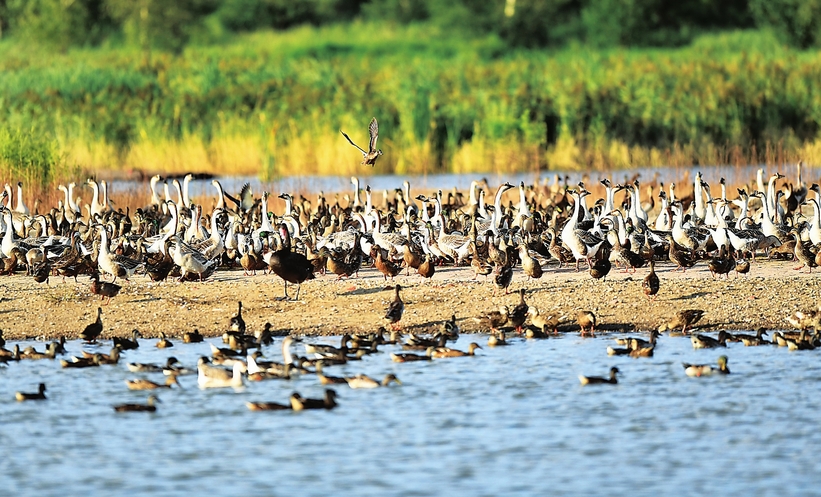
(212, 377)
(114, 264)
(582, 244)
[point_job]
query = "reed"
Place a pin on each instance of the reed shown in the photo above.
(272, 104)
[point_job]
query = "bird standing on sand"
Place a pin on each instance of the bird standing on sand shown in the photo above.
(92, 331)
(684, 319)
(103, 288)
(237, 323)
(369, 157)
(651, 283)
(395, 309)
(585, 319)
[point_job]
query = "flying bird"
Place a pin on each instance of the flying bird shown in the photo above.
(369, 157)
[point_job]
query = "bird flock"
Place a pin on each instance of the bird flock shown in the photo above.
(549, 227)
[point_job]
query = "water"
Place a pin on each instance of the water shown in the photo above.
(378, 183)
(512, 421)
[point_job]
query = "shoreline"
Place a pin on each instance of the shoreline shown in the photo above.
(765, 298)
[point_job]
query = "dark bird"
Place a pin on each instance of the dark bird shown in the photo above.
(598, 380)
(267, 406)
(40, 395)
(125, 343)
(149, 407)
(651, 283)
(298, 403)
(103, 288)
(395, 308)
(721, 263)
(685, 319)
(518, 315)
(92, 331)
(192, 336)
(237, 323)
(292, 267)
(503, 277)
(369, 157)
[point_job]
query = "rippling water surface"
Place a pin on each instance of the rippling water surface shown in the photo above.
(511, 421)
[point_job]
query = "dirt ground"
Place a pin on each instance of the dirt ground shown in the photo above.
(770, 293)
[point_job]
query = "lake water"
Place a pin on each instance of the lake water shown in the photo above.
(512, 421)
(378, 183)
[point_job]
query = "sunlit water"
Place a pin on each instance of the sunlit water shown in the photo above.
(378, 183)
(512, 421)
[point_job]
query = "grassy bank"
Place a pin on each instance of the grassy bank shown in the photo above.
(273, 104)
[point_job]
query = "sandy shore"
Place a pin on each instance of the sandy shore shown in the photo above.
(771, 292)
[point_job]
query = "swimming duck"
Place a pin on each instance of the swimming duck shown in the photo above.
(298, 403)
(125, 343)
(585, 319)
(139, 367)
(32, 354)
(82, 362)
(148, 407)
(407, 357)
(192, 337)
(321, 350)
(328, 380)
(364, 381)
(497, 339)
(40, 395)
(395, 308)
(267, 406)
(444, 352)
(752, 340)
(104, 289)
(706, 369)
(10, 355)
(706, 342)
(684, 319)
(236, 323)
(92, 331)
(143, 384)
(651, 283)
(369, 157)
(598, 380)
(163, 343)
(518, 315)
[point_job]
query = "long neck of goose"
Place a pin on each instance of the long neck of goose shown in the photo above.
(622, 230)
(567, 231)
(368, 201)
(473, 185)
(104, 194)
(185, 190)
(672, 193)
(266, 223)
(678, 217)
(442, 231)
(522, 200)
(744, 200)
(180, 200)
(800, 182)
(155, 199)
(584, 210)
(759, 179)
(482, 209)
(377, 221)
(357, 201)
(287, 358)
(699, 208)
(609, 199)
(771, 200)
(437, 207)
(288, 206)
(496, 217)
(21, 206)
(220, 195)
(724, 191)
(167, 192)
(66, 195)
(95, 198)
(104, 241)
(8, 237)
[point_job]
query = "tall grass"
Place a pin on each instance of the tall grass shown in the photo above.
(273, 104)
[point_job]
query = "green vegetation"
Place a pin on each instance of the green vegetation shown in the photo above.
(456, 86)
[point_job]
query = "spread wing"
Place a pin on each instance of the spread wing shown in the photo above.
(351, 142)
(373, 129)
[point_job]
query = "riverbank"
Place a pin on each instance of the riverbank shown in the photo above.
(765, 298)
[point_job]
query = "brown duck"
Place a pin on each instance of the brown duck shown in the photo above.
(104, 289)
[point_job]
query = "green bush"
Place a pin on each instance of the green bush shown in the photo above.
(797, 22)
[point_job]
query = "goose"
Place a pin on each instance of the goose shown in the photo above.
(706, 369)
(691, 238)
(211, 377)
(369, 157)
(598, 380)
(581, 243)
(365, 381)
(148, 407)
(190, 261)
(113, 264)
